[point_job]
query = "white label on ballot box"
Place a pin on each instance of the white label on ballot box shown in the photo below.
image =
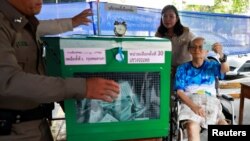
(84, 56)
(144, 56)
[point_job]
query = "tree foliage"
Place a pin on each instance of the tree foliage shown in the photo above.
(222, 6)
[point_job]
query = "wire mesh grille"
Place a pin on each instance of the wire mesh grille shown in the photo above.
(139, 98)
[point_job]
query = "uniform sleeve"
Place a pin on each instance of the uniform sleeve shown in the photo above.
(15, 83)
(56, 26)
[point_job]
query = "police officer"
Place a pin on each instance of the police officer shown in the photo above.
(23, 85)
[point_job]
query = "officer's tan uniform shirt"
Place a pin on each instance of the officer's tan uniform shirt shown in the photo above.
(54, 26)
(22, 81)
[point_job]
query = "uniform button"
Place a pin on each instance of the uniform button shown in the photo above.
(17, 121)
(18, 116)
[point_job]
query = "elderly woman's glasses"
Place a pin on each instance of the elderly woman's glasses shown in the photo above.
(193, 48)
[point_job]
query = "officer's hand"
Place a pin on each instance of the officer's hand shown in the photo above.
(82, 18)
(103, 89)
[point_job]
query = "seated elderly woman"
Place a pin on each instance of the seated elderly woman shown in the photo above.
(195, 86)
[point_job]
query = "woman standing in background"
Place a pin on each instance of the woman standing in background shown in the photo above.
(179, 35)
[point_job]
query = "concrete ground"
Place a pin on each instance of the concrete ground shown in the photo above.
(59, 128)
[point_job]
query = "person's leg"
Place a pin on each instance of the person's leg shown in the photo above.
(193, 131)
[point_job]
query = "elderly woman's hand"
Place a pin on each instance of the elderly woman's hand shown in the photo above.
(217, 48)
(199, 110)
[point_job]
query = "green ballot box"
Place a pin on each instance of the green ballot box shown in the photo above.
(141, 66)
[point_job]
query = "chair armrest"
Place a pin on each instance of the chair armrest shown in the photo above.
(227, 97)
